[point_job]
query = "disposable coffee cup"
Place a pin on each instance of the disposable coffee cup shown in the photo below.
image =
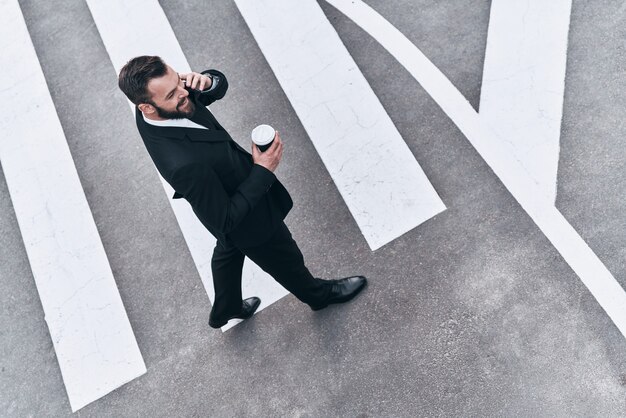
(263, 136)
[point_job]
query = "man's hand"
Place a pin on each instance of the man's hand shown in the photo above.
(271, 157)
(196, 81)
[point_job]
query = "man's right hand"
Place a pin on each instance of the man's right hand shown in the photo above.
(271, 157)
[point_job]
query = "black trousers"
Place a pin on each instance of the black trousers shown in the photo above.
(280, 257)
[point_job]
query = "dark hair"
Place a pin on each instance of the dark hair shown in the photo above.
(135, 75)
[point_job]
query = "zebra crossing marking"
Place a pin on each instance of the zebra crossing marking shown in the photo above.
(521, 96)
(92, 337)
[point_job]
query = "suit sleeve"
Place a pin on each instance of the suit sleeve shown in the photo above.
(208, 97)
(201, 187)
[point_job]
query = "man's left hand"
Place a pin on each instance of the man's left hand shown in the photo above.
(196, 81)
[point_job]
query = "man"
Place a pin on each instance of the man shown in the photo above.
(235, 195)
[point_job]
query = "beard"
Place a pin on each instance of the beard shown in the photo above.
(179, 113)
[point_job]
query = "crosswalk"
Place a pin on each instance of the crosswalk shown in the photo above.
(381, 182)
(385, 188)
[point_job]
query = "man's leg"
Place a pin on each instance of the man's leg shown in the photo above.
(282, 259)
(226, 265)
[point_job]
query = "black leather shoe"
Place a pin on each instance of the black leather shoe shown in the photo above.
(248, 307)
(342, 290)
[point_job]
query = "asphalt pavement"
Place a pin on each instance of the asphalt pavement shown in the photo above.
(472, 313)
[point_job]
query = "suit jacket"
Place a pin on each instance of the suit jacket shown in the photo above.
(238, 201)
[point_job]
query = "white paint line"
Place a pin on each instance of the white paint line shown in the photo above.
(521, 96)
(526, 190)
(130, 29)
(93, 340)
(382, 184)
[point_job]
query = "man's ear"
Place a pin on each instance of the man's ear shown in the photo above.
(146, 108)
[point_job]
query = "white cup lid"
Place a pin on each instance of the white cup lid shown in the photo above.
(263, 134)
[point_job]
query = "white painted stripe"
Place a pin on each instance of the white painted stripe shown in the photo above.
(565, 239)
(130, 29)
(93, 340)
(383, 186)
(521, 96)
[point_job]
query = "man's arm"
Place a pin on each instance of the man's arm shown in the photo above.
(212, 83)
(201, 187)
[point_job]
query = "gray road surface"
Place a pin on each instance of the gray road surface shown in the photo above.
(473, 313)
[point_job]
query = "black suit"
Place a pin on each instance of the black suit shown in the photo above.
(241, 203)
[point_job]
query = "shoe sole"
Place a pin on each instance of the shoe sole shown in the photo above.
(216, 326)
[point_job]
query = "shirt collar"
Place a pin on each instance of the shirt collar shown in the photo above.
(178, 123)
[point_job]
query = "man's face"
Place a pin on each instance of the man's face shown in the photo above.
(169, 97)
